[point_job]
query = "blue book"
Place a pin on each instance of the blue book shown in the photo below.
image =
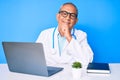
(98, 68)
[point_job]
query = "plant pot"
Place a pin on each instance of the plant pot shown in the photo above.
(76, 72)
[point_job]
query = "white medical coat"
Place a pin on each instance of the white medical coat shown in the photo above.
(77, 50)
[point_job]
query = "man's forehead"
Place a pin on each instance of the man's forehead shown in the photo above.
(68, 7)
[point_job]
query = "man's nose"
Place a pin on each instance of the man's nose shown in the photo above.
(68, 17)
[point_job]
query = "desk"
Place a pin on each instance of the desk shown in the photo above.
(66, 74)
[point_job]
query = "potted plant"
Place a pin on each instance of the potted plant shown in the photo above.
(76, 70)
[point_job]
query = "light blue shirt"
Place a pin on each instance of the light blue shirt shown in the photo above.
(61, 42)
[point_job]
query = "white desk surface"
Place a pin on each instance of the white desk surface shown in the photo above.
(66, 74)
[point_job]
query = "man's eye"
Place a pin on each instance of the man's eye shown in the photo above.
(73, 15)
(64, 13)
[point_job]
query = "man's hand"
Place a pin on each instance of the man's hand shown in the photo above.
(66, 32)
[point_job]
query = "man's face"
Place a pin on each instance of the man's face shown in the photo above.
(67, 16)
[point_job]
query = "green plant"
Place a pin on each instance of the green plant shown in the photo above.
(77, 65)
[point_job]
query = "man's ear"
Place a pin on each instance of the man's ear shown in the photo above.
(57, 16)
(76, 20)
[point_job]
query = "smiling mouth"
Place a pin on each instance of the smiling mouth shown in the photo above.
(66, 22)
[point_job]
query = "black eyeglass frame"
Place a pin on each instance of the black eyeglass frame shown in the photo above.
(68, 13)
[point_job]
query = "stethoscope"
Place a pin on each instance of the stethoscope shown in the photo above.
(53, 45)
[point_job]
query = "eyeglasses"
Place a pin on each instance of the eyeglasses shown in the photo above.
(65, 14)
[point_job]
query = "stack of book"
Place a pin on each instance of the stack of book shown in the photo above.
(98, 68)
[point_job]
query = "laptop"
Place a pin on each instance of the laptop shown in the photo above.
(28, 58)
